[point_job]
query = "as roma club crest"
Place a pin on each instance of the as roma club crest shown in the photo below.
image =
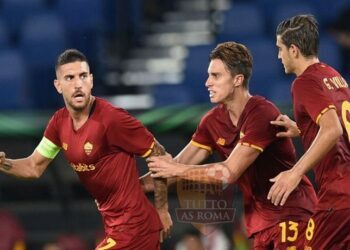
(88, 148)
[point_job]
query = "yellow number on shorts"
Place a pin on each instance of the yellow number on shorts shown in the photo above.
(292, 231)
(310, 229)
(345, 108)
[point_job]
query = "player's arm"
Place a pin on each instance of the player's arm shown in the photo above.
(161, 194)
(30, 167)
(227, 171)
(191, 154)
(329, 132)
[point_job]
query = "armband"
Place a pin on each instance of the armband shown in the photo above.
(47, 148)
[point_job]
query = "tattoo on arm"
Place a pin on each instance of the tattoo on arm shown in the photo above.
(160, 184)
(6, 165)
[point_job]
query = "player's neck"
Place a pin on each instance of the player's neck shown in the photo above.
(304, 63)
(80, 117)
(236, 106)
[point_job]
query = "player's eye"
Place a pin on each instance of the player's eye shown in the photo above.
(83, 76)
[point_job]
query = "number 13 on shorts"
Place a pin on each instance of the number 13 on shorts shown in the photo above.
(289, 231)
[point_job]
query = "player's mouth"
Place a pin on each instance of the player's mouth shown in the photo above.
(78, 96)
(211, 93)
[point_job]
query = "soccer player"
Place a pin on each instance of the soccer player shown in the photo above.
(321, 103)
(100, 142)
(239, 129)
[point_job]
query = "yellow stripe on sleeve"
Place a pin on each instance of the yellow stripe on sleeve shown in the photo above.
(202, 146)
(252, 146)
(149, 151)
(324, 111)
(47, 148)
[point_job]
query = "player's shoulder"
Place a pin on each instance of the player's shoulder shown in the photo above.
(107, 111)
(61, 114)
(260, 103)
(215, 112)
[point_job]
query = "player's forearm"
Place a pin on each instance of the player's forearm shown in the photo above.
(23, 168)
(160, 184)
(213, 173)
(160, 193)
(323, 143)
(147, 182)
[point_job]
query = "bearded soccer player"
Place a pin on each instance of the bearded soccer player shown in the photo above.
(239, 129)
(321, 102)
(100, 142)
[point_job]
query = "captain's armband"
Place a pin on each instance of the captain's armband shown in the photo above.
(47, 148)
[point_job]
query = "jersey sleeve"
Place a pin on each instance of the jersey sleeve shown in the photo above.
(257, 131)
(51, 131)
(126, 132)
(49, 146)
(313, 97)
(201, 137)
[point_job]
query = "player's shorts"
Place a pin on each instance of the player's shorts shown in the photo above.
(287, 235)
(329, 229)
(145, 242)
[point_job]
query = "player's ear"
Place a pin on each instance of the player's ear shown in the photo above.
(294, 49)
(92, 80)
(238, 80)
(57, 86)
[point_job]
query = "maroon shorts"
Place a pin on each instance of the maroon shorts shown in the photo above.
(329, 229)
(118, 242)
(287, 235)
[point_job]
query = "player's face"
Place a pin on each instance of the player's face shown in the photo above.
(220, 82)
(284, 54)
(75, 82)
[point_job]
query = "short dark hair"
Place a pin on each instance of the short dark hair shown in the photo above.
(302, 31)
(69, 56)
(236, 57)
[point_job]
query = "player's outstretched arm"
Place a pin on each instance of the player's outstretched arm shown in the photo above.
(161, 194)
(30, 167)
(327, 136)
(227, 171)
(290, 126)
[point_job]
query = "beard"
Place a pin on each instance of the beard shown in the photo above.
(80, 106)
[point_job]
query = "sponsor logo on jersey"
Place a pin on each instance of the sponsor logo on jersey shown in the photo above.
(221, 141)
(65, 146)
(82, 167)
(88, 148)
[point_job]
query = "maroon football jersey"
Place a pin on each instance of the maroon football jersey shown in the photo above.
(318, 89)
(217, 132)
(102, 152)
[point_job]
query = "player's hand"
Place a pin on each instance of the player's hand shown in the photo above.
(291, 128)
(283, 186)
(165, 218)
(162, 167)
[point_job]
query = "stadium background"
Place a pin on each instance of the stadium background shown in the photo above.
(147, 56)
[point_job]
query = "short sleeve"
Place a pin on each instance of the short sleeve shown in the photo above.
(257, 131)
(201, 138)
(51, 131)
(126, 132)
(312, 96)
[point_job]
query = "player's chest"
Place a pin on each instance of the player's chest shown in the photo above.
(225, 138)
(83, 146)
